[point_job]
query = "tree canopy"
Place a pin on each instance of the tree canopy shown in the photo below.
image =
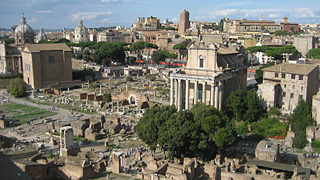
(158, 57)
(17, 87)
(179, 46)
(9, 41)
(195, 132)
(313, 53)
(244, 105)
(300, 120)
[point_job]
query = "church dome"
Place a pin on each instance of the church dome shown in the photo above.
(41, 35)
(23, 27)
(80, 29)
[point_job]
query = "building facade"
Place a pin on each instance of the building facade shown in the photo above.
(184, 22)
(81, 33)
(23, 33)
(304, 43)
(10, 53)
(210, 75)
(285, 84)
(41, 36)
(46, 64)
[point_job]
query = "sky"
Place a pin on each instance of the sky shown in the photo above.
(58, 14)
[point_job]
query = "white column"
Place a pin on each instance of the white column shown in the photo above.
(187, 95)
(176, 93)
(171, 92)
(212, 94)
(216, 96)
(204, 93)
(179, 93)
(195, 92)
(220, 94)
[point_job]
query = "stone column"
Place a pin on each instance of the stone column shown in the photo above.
(176, 93)
(195, 92)
(179, 94)
(216, 97)
(212, 94)
(220, 94)
(187, 95)
(204, 92)
(171, 92)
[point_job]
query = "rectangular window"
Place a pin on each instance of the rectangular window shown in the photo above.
(283, 75)
(284, 94)
(276, 75)
(300, 96)
(293, 86)
(300, 77)
(201, 63)
(292, 95)
(293, 76)
(51, 59)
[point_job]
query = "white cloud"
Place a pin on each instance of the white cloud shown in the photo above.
(296, 13)
(106, 20)
(175, 19)
(108, 1)
(88, 15)
(44, 12)
(273, 16)
(33, 20)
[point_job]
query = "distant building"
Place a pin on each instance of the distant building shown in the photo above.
(81, 33)
(209, 76)
(184, 22)
(41, 36)
(285, 84)
(46, 64)
(10, 55)
(23, 33)
(289, 27)
(304, 43)
(244, 25)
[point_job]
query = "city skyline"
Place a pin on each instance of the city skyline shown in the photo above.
(57, 14)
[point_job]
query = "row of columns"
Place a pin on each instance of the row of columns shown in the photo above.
(176, 93)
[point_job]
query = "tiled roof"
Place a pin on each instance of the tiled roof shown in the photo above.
(46, 47)
(301, 69)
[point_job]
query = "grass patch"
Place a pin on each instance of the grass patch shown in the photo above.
(4, 83)
(24, 113)
(22, 154)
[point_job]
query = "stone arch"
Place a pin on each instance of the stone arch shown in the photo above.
(132, 100)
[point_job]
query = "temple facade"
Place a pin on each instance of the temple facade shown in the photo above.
(210, 75)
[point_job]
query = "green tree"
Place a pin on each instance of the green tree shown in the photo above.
(281, 33)
(225, 136)
(9, 41)
(17, 87)
(131, 60)
(313, 53)
(236, 103)
(79, 56)
(169, 55)
(185, 133)
(300, 120)
(158, 57)
(253, 107)
(107, 97)
(112, 52)
(179, 47)
(129, 78)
